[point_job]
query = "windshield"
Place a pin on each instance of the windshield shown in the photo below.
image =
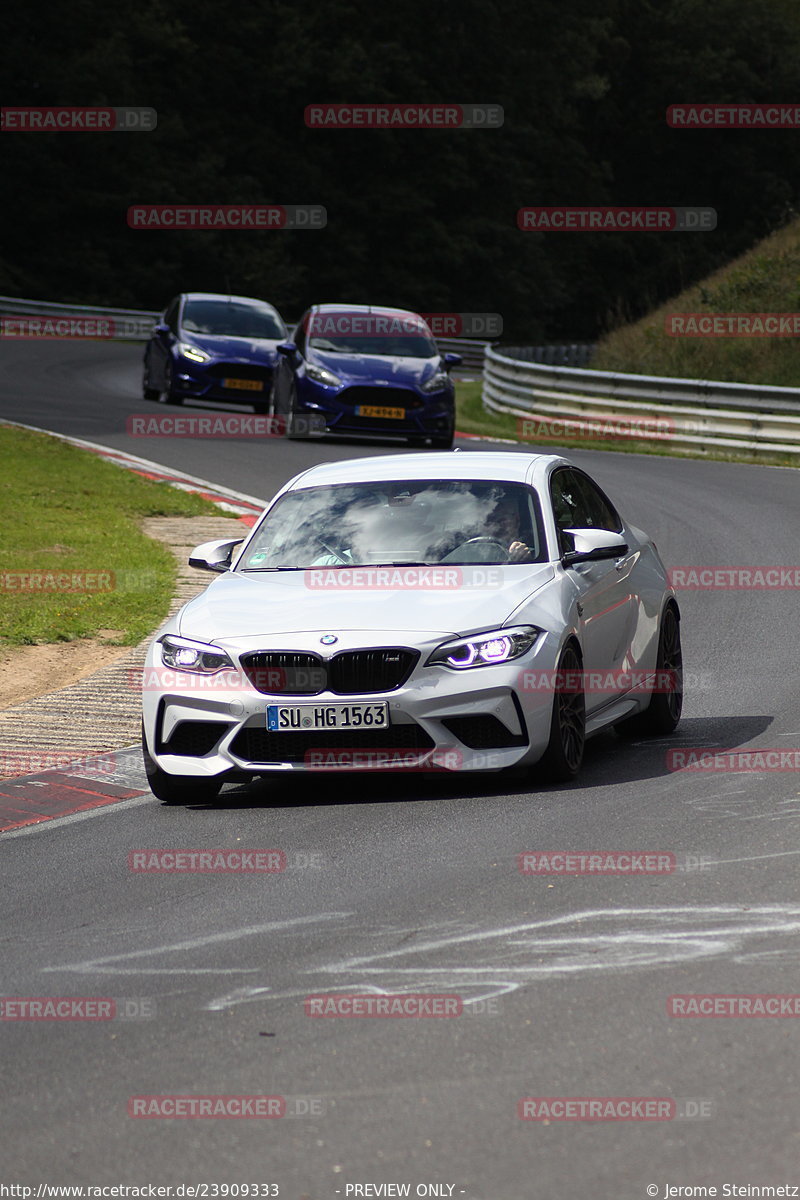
(401, 346)
(402, 335)
(231, 319)
(421, 521)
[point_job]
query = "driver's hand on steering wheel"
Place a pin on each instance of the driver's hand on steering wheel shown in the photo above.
(519, 552)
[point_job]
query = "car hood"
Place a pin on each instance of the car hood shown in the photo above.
(244, 349)
(244, 606)
(378, 367)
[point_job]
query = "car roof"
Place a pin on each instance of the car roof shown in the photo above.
(494, 465)
(378, 309)
(227, 297)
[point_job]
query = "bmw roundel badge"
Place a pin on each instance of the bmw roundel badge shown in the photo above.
(328, 639)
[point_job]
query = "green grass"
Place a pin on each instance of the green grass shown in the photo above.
(63, 509)
(765, 279)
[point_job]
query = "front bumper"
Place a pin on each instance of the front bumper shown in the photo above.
(206, 381)
(440, 720)
(425, 416)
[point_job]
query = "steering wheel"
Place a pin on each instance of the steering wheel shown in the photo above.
(486, 541)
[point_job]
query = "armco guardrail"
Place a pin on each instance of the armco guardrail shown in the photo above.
(578, 354)
(694, 414)
(123, 323)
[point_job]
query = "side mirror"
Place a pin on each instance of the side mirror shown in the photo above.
(452, 360)
(214, 556)
(161, 329)
(287, 349)
(591, 545)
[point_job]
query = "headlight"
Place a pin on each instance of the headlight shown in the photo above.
(322, 375)
(485, 649)
(185, 655)
(194, 353)
(436, 382)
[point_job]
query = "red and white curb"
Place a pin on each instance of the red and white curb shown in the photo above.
(76, 788)
(40, 798)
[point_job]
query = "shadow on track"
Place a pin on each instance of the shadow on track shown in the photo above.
(608, 760)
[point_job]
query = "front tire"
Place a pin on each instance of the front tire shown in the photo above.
(294, 430)
(178, 789)
(563, 757)
(167, 396)
(444, 441)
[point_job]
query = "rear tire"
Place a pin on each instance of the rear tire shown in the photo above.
(664, 710)
(178, 789)
(563, 757)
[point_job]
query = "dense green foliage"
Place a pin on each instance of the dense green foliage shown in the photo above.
(424, 219)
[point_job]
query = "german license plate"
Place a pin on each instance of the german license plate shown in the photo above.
(244, 385)
(372, 410)
(299, 718)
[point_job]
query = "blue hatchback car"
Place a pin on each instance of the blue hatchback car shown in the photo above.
(213, 347)
(355, 369)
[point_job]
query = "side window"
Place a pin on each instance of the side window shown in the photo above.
(171, 314)
(598, 510)
(568, 502)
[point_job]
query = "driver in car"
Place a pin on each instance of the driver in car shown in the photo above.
(503, 523)
(502, 526)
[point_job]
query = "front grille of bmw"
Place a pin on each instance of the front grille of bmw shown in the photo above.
(348, 673)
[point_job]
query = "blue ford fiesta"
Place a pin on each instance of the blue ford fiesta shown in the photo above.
(353, 369)
(212, 347)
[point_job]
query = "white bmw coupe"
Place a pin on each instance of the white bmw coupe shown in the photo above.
(467, 611)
